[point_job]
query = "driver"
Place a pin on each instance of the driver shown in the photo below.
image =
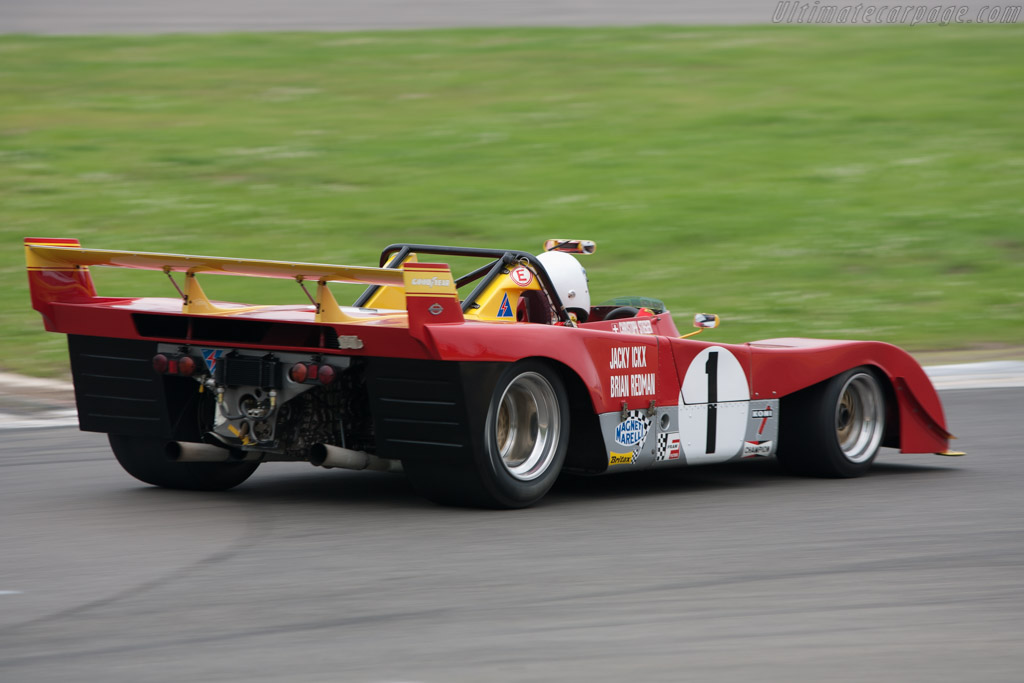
(569, 279)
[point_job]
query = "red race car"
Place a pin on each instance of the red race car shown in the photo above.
(481, 388)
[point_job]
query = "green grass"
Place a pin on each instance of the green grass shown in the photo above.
(815, 181)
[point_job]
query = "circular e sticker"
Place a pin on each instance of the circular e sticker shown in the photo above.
(522, 276)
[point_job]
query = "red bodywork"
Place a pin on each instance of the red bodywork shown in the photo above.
(773, 368)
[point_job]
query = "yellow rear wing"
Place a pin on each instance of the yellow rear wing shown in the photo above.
(53, 256)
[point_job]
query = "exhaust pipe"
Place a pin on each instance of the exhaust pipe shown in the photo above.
(189, 451)
(325, 455)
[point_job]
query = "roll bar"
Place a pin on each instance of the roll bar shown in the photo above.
(394, 254)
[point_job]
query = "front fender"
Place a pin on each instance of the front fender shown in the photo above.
(780, 367)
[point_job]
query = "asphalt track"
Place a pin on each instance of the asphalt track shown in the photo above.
(217, 16)
(724, 573)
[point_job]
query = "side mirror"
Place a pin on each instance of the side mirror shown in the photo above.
(702, 321)
(571, 246)
(705, 320)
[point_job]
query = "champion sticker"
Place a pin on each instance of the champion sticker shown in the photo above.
(753, 449)
(505, 310)
(210, 357)
(521, 276)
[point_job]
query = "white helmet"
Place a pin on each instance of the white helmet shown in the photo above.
(569, 279)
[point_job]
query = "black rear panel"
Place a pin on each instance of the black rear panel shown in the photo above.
(428, 409)
(115, 386)
(118, 392)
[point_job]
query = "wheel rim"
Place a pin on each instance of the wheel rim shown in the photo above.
(860, 418)
(527, 426)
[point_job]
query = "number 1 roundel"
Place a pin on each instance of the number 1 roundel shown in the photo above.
(713, 405)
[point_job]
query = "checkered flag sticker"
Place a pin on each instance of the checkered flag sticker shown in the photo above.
(668, 446)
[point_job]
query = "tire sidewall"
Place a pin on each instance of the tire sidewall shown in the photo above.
(505, 487)
(834, 452)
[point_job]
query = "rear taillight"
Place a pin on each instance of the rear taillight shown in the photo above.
(160, 363)
(187, 366)
(307, 373)
(327, 374)
(298, 373)
(164, 364)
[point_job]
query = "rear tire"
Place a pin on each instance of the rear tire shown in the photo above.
(833, 429)
(144, 459)
(525, 439)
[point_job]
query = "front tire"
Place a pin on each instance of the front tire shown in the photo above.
(833, 429)
(144, 459)
(523, 446)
